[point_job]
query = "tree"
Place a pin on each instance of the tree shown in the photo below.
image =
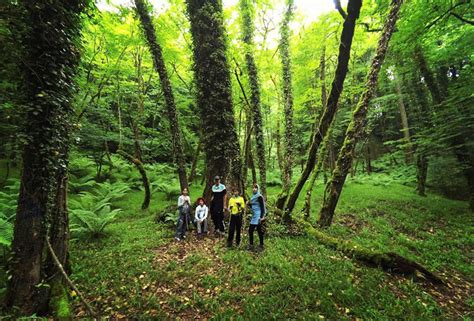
(353, 10)
(212, 76)
(48, 66)
(159, 64)
(357, 125)
(287, 102)
(246, 10)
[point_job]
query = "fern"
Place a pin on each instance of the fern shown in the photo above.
(91, 214)
(6, 232)
(79, 184)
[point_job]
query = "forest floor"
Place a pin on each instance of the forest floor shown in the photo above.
(138, 271)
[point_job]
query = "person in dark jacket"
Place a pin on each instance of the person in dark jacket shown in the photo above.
(218, 200)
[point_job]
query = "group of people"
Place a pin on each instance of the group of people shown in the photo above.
(236, 207)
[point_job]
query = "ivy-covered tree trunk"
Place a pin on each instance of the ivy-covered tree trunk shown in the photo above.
(287, 103)
(211, 72)
(159, 64)
(48, 66)
(353, 10)
(247, 35)
(356, 127)
(197, 152)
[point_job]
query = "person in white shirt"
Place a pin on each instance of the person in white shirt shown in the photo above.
(184, 208)
(201, 217)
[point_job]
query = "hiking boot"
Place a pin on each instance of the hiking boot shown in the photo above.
(177, 239)
(260, 248)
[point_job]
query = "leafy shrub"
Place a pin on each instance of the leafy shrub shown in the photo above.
(273, 179)
(79, 184)
(171, 190)
(112, 192)
(91, 214)
(8, 204)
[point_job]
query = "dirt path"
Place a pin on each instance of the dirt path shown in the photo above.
(183, 295)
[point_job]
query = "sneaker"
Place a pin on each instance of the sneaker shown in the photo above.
(177, 239)
(260, 248)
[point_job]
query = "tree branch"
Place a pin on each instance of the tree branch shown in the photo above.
(454, 14)
(337, 4)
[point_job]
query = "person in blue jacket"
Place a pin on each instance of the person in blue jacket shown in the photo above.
(257, 203)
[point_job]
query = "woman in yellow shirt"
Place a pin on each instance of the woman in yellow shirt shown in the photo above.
(236, 207)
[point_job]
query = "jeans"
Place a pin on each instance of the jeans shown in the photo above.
(235, 226)
(201, 226)
(252, 228)
(182, 225)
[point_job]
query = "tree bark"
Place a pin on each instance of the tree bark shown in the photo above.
(356, 127)
(160, 67)
(287, 102)
(195, 160)
(49, 64)
(214, 93)
(353, 10)
(404, 121)
(247, 35)
(146, 183)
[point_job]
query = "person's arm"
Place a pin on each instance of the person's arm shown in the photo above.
(180, 201)
(226, 203)
(196, 213)
(205, 213)
(262, 207)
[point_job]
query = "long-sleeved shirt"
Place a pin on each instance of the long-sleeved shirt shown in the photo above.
(201, 212)
(184, 203)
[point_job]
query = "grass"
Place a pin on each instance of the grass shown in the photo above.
(138, 272)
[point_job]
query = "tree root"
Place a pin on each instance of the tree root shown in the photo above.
(389, 261)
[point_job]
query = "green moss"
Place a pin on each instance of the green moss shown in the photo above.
(59, 303)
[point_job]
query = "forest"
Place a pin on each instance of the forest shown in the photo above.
(139, 138)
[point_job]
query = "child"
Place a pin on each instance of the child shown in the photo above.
(258, 208)
(236, 207)
(200, 217)
(184, 207)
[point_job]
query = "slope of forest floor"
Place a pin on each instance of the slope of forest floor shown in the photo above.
(139, 271)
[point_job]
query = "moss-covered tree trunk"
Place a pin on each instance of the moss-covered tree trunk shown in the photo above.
(404, 121)
(48, 67)
(287, 91)
(356, 127)
(197, 152)
(159, 64)
(353, 10)
(314, 176)
(211, 72)
(246, 9)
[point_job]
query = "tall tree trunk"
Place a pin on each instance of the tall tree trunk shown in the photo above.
(247, 146)
(353, 10)
(287, 103)
(458, 142)
(211, 72)
(159, 64)
(424, 120)
(357, 124)
(319, 166)
(247, 35)
(404, 121)
(48, 66)
(195, 160)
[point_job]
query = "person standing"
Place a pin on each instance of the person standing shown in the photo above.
(201, 217)
(218, 200)
(236, 207)
(257, 203)
(184, 208)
